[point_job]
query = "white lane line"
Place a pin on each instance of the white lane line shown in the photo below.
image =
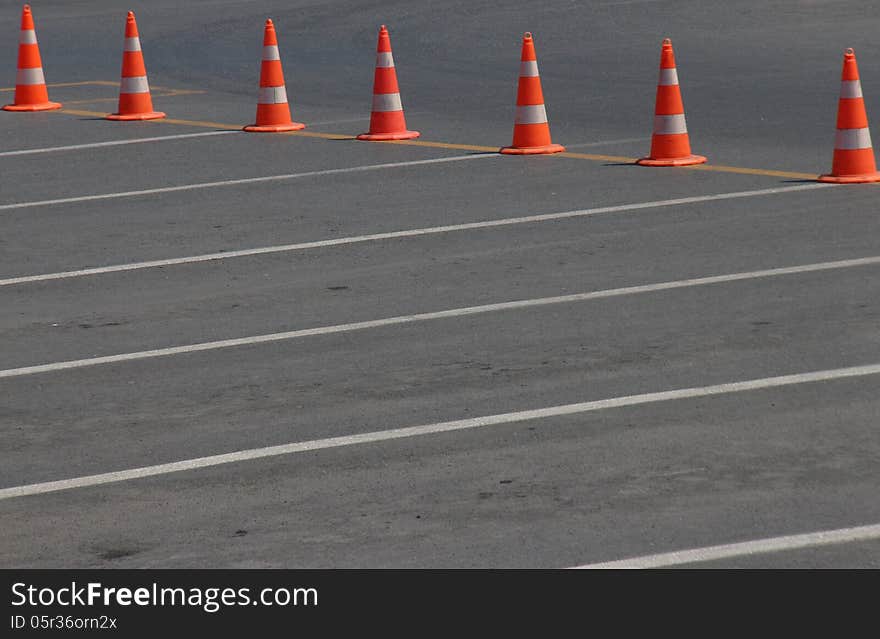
(96, 145)
(374, 237)
(756, 547)
(253, 180)
(440, 427)
(450, 313)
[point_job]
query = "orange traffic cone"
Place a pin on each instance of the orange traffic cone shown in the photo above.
(386, 119)
(531, 131)
(853, 154)
(135, 102)
(670, 145)
(30, 85)
(273, 111)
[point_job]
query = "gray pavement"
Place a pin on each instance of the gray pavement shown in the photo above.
(760, 90)
(561, 492)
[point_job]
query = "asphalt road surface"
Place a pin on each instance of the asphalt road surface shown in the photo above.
(192, 291)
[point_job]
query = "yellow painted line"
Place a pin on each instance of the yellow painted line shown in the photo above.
(208, 125)
(92, 101)
(747, 171)
(699, 167)
(222, 125)
(104, 83)
(155, 93)
(197, 123)
(599, 158)
(172, 92)
(97, 114)
(444, 145)
(323, 136)
(618, 159)
(168, 91)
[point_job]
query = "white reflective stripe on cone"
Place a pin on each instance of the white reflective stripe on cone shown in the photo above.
(384, 60)
(272, 95)
(851, 139)
(28, 36)
(670, 124)
(387, 102)
(531, 114)
(137, 84)
(270, 52)
(30, 76)
(850, 89)
(528, 69)
(668, 77)
(132, 44)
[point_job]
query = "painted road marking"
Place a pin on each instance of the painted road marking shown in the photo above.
(607, 142)
(283, 248)
(365, 118)
(741, 170)
(436, 315)
(756, 547)
(362, 118)
(253, 180)
(155, 92)
(440, 427)
(95, 145)
(487, 149)
(104, 83)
